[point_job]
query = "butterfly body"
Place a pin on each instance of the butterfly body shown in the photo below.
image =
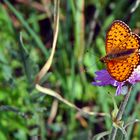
(122, 51)
(119, 55)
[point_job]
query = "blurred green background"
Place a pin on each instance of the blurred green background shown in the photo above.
(26, 114)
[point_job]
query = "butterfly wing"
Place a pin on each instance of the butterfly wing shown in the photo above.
(119, 37)
(117, 33)
(121, 70)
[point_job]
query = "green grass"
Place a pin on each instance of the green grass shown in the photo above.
(24, 112)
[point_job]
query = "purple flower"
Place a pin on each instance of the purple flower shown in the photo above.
(103, 78)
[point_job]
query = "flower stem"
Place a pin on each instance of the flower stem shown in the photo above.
(120, 113)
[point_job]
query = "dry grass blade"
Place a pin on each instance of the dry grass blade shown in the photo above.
(53, 111)
(60, 98)
(135, 6)
(47, 65)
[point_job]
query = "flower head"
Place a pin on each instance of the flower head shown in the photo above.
(103, 78)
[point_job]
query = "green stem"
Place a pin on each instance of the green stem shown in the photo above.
(120, 113)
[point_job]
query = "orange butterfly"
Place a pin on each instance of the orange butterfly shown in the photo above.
(122, 51)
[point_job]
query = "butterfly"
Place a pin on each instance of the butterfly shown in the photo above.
(122, 51)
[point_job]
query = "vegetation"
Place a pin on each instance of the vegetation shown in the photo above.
(26, 38)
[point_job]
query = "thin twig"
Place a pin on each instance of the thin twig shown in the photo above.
(120, 113)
